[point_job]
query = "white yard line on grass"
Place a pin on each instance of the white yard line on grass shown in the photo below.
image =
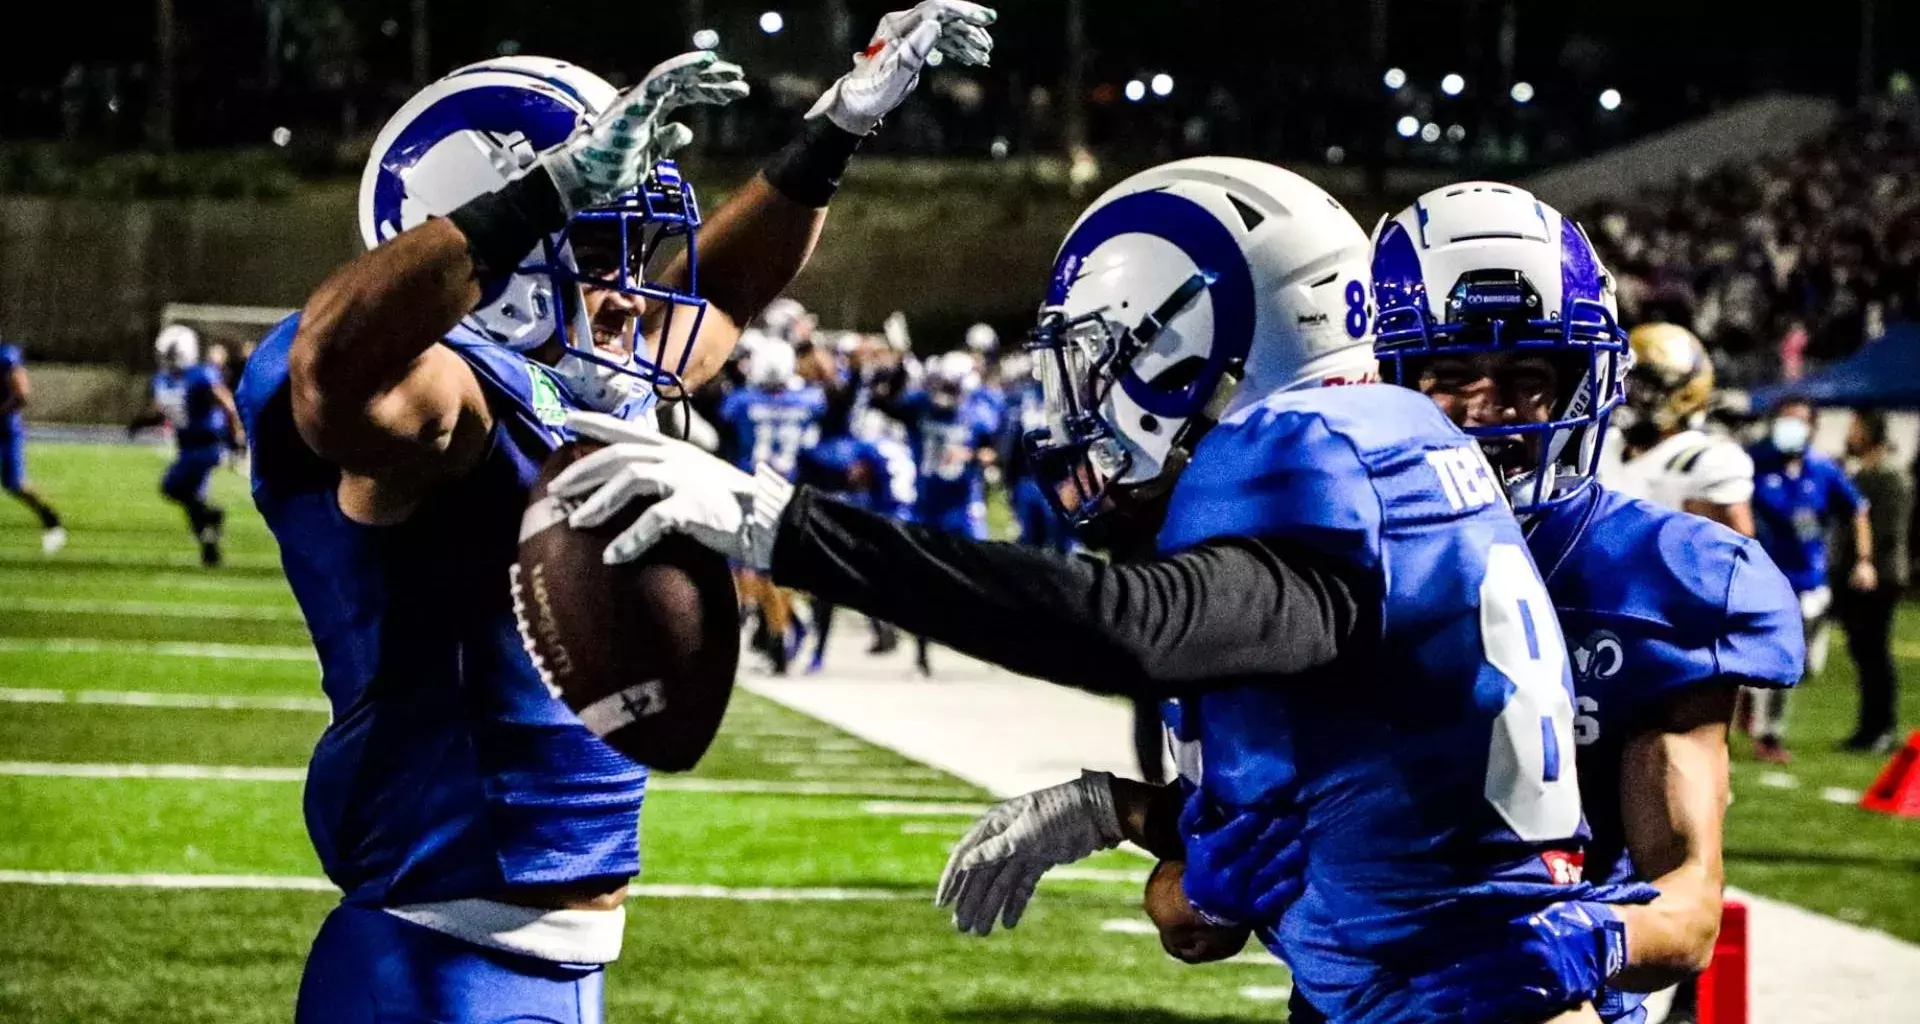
(133, 558)
(194, 772)
(249, 773)
(138, 699)
(151, 609)
(302, 883)
(218, 652)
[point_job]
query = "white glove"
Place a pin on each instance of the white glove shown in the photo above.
(994, 869)
(701, 497)
(889, 68)
(617, 151)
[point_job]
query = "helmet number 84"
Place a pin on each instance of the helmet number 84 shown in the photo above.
(1530, 757)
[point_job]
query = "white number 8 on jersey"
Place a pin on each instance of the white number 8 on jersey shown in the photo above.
(1530, 769)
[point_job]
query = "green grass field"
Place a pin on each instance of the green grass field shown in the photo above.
(108, 651)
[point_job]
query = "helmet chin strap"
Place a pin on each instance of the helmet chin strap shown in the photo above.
(1190, 434)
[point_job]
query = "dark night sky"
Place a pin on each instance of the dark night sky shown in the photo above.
(1657, 51)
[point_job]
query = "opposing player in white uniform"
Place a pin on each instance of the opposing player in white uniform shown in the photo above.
(1660, 453)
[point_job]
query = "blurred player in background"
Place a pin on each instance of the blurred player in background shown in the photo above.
(1799, 497)
(1341, 602)
(15, 389)
(951, 429)
(876, 474)
(1665, 615)
(191, 396)
(772, 420)
(1659, 450)
(483, 836)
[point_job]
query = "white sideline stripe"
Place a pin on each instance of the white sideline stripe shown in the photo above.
(220, 652)
(134, 698)
(151, 609)
(1840, 795)
(133, 558)
(904, 809)
(1266, 993)
(1128, 926)
(1070, 874)
(301, 883)
(208, 772)
(249, 773)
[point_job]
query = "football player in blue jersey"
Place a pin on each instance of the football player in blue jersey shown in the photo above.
(485, 837)
(951, 424)
(772, 421)
(15, 387)
(872, 473)
(191, 396)
(1666, 614)
(1337, 596)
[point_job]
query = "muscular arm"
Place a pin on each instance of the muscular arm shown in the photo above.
(1737, 517)
(1863, 536)
(1221, 613)
(1673, 782)
(372, 390)
(750, 251)
(17, 389)
(236, 431)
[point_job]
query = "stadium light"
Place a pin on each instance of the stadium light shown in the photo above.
(1610, 100)
(999, 148)
(1336, 154)
(706, 39)
(1453, 85)
(1430, 132)
(1522, 93)
(1163, 84)
(1457, 133)
(1136, 91)
(282, 135)
(1395, 78)
(771, 23)
(1408, 126)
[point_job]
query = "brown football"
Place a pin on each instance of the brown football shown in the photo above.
(645, 653)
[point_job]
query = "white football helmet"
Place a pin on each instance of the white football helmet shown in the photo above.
(1182, 294)
(983, 339)
(770, 364)
(1482, 268)
(176, 347)
(483, 125)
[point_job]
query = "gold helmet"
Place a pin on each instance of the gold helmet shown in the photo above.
(1672, 376)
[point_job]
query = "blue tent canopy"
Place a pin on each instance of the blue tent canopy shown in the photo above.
(1884, 374)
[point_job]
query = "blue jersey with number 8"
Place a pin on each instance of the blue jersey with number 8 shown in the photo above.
(1435, 764)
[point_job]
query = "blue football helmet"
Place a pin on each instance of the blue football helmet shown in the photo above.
(480, 127)
(1482, 268)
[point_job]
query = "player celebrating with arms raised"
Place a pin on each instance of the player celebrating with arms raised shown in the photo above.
(483, 836)
(1342, 601)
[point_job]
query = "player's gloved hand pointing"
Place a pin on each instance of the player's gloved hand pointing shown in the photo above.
(888, 69)
(1553, 960)
(1242, 868)
(996, 865)
(619, 149)
(701, 496)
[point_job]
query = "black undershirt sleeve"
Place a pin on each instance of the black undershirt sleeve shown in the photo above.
(1223, 613)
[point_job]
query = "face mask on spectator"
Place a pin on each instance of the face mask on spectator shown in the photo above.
(1789, 434)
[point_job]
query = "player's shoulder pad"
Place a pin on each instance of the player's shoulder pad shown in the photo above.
(1329, 467)
(265, 374)
(1714, 589)
(10, 355)
(1713, 458)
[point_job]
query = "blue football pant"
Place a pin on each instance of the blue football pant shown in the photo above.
(369, 967)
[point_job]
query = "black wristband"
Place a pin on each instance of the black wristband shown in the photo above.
(504, 225)
(808, 170)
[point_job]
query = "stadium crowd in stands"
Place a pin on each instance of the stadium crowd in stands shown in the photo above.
(1780, 262)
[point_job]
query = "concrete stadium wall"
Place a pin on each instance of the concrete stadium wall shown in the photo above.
(1768, 126)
